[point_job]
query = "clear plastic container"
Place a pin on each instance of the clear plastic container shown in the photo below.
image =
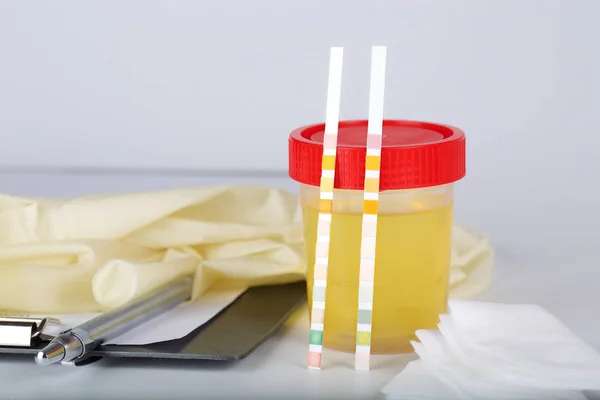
(412, 264)
(414, 227)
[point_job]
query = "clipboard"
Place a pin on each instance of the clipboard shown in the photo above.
(232, 334)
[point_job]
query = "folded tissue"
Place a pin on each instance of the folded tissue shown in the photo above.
(498, 351)
(94, 253)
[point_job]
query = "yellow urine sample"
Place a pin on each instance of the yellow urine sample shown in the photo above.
(412, 263)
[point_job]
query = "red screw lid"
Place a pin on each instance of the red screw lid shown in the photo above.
(413, 155)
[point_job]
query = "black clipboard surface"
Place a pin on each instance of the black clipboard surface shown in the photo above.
(231, 335)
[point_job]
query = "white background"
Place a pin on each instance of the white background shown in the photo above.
(219, 84)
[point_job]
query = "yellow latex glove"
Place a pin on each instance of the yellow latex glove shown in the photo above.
(94, 253)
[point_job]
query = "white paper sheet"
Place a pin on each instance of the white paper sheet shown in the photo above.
(172, 325)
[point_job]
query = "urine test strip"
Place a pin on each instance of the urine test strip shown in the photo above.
(319, 288)
(370, 209)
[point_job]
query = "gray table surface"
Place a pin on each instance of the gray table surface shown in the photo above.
(547, 253)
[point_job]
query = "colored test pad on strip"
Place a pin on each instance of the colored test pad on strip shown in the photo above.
(319, 288)
(370, 210)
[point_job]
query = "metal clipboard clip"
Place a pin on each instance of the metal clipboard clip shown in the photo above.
(24, 331)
